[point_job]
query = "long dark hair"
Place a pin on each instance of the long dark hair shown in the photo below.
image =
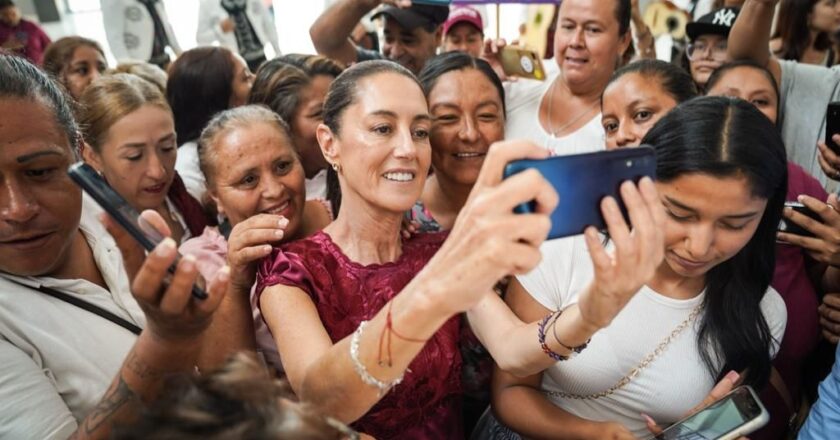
(199, 86)
(793, 30)
(456, 60)
(727, 137)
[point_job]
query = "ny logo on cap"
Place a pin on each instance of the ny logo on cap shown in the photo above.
(724, 17)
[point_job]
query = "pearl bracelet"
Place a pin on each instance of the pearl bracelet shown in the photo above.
(382, 387)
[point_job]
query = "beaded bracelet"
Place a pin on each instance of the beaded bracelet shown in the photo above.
(382, 387)
(552, 354)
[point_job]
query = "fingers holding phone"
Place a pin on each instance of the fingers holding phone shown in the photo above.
(829, 312)
(492, 54)
(166, 296)
(814, 226)
(638, 252)
(728, 415)
(488, 240)
(828, 159)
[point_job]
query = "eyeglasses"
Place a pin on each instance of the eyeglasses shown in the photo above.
(698, 50)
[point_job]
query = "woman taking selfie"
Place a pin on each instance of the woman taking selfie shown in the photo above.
(715, 311)
(352, 306)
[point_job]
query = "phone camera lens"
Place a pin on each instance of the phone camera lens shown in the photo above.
(629, 163)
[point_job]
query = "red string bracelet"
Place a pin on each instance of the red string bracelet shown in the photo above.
(386, 335)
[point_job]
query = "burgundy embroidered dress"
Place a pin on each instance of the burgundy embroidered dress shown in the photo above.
(427, 404)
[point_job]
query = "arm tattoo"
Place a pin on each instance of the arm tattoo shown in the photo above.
(115, 399)
(139, 367)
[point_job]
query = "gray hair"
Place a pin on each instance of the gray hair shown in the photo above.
(231, 119)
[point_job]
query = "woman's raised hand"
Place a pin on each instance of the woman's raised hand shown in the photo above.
(489, 241)
(172, 314)
(249, 241)
(638, 252)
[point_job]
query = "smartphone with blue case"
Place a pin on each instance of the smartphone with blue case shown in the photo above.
(582, 181)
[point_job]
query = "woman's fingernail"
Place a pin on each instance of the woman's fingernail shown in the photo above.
(188, 263)
(278, 233)
(283, 222)
(648, 419)
(800, 198)
(732, 376)
(224, 273)
(166, 247)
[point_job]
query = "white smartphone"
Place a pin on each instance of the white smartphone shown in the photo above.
(737, 414)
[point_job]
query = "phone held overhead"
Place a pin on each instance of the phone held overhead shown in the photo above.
(582, 181)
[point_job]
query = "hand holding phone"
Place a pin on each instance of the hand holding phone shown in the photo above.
(832, 126)
(119, 209)
(737, 414)
(791, 227)
(583, 181)
(812, 226)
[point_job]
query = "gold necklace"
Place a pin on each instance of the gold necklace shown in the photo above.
(638, 369)
(577, 118)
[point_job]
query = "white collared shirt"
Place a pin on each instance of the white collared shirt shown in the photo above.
(58, 359)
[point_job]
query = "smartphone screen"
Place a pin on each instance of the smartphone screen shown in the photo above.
(738, 408)
(119, 209)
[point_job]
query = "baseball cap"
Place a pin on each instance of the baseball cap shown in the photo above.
(464, 14)
(717, 22)
(427, 16)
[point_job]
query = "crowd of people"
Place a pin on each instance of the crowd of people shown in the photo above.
(366, 274)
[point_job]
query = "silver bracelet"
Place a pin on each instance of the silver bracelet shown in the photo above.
(382, 387)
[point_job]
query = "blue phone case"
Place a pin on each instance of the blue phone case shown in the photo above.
(582, 181)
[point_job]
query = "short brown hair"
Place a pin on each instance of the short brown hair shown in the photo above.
(111, 98)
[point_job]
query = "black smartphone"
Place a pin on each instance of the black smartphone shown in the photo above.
(790, 227)
(832, 125)
(118, 208)
(737, 414)
(582, 181)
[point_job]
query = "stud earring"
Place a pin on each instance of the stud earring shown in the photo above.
(336, 167)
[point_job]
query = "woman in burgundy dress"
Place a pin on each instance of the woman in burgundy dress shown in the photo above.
(366, 322)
